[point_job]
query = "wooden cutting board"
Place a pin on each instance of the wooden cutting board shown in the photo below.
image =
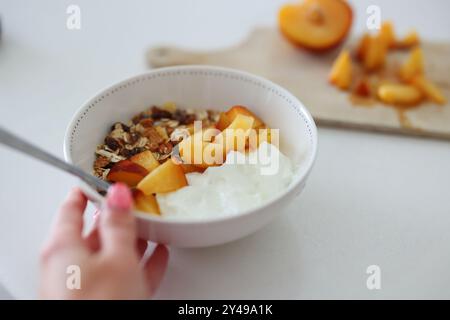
(268, 54)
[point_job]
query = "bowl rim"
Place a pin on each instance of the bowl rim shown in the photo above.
(299, 179)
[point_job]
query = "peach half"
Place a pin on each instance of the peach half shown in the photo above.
(316, 24)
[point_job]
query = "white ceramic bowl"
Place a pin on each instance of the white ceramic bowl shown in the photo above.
(197, 87)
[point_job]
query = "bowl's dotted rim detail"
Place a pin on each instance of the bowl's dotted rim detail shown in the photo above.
(169, 73)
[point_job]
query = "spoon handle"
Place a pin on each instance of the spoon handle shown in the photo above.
(14, 142)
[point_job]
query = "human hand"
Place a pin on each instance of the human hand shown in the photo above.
(108, 258)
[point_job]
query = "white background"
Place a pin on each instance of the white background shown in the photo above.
(371, 198)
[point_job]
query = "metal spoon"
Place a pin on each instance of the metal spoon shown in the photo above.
(21, 145)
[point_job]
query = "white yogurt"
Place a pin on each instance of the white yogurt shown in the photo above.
(244, 183)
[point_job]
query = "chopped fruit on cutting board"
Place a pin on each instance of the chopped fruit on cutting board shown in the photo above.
(410, 40)
(413, 65)
(387, 34)
(403, 85)
(341, 72)
(399, 94)
(374, 55)
(316, 24)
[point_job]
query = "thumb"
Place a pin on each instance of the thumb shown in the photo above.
(117, 225)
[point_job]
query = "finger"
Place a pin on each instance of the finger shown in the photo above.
(155, 267)
(93, 240)
(142, 247)
(68, 225)
(117, 227)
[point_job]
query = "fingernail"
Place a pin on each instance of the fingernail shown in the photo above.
(119, 197)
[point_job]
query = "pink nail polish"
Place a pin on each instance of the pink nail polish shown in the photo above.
(119, 197)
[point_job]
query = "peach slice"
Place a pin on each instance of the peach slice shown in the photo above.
(127, 172)
(146, 160)
(145, 203)
(399, 94)
(414, 65)
(375, 53)
(316, 24)
(165, 178)
(226, 118)
(410, 40)
(341, 72)
(387, 34)
(430, 90)
(241, 121)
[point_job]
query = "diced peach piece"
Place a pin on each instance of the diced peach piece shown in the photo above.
(316, 24)
(236, 110)
(387, 34)
(223, 121)
(226, 118)
(430, 90)
(410, 40)
(375, 54)
(241, 121)
(235, 136)
(145, 203)
(165, 178)
(146, 160)
(127, 172)
(399, 94)
(414, 65)
(341, 72)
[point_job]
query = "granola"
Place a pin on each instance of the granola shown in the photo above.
(157, 129)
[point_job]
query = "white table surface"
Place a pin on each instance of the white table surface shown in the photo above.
(371, 198)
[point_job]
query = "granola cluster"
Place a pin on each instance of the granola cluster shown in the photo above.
(155, 129)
